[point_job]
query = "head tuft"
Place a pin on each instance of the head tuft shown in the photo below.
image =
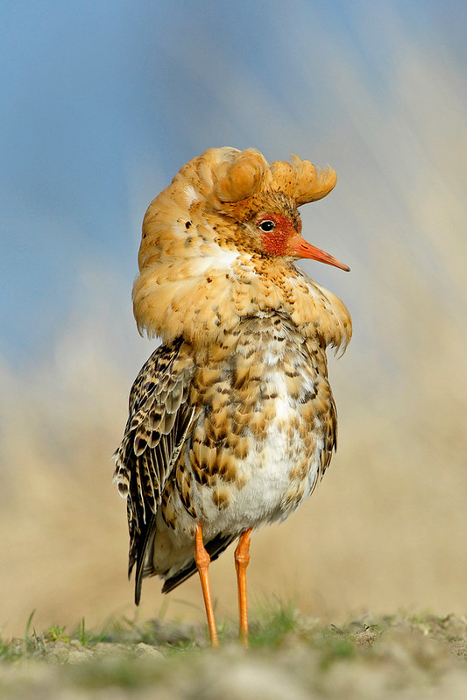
(311, 183)
(239, 175)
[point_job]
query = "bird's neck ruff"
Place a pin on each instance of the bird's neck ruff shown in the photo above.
(203, 299)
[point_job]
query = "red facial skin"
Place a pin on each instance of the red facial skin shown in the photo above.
(285, 241)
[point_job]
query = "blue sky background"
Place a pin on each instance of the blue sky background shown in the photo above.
(102, 102)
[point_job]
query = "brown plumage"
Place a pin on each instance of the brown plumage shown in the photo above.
(232, 421)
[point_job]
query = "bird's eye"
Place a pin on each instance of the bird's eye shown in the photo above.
(267, 225)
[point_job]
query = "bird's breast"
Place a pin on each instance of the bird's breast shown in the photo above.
(265, 420)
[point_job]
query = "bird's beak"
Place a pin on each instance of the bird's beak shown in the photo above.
(299, 247)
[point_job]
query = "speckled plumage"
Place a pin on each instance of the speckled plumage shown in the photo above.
(232, 421)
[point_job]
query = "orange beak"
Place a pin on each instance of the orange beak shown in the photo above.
(302, 249)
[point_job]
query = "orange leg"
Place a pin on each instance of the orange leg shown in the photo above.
(202, 560)
(242, 559)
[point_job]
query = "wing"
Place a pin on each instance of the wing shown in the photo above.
(160, 418)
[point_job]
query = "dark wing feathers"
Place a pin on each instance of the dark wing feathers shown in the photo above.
(214, 548)
(160, 418)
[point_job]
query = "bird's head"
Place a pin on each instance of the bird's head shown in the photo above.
(264, 200)
(250, 204)
(278, 234)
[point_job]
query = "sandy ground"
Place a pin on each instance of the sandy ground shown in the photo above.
(397, 657)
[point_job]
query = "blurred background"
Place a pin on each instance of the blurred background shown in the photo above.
(101, 104)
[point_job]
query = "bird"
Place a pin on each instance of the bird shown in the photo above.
(232, 422)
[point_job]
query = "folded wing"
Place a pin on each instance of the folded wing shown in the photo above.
(160, 419)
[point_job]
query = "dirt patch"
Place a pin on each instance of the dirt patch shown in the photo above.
(291, 655)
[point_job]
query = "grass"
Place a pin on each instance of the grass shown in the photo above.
(291, 655)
